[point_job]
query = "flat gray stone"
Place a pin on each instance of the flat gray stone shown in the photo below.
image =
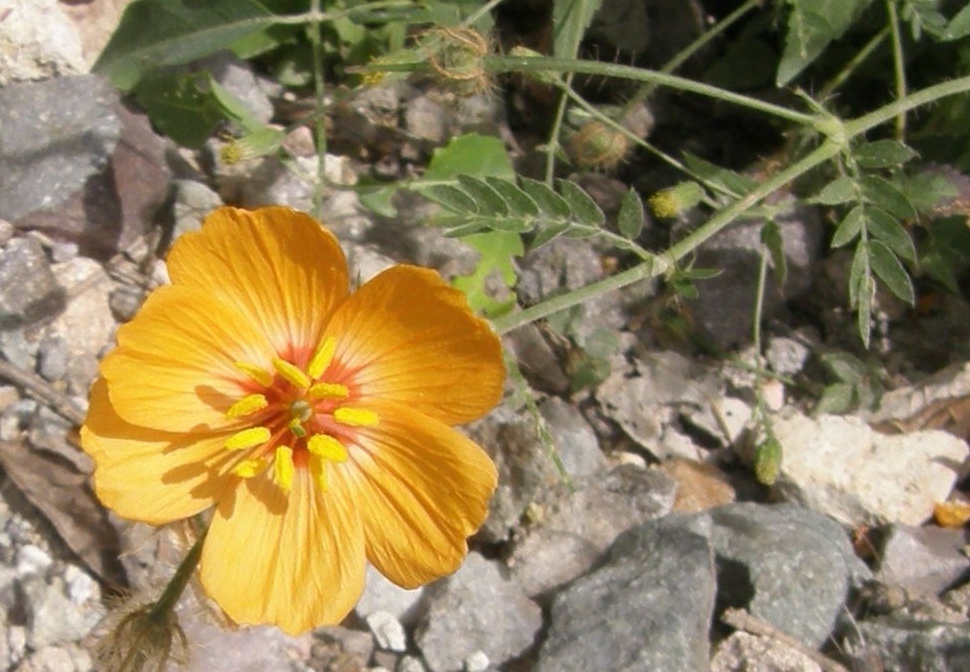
(476, 609)
(28, 289)
(923, 560)
(54, 135)
(577, 532)
(790, 566)
(904, 645)
(575, 442)
(647, 608)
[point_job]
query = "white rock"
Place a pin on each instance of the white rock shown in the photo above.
(842, 467)
(477, 662)
(380, 594)
(410, 664)
(37, 41)
(388, 631)
(32, 560)
(17, 642)
(80, 586)
(86, 322)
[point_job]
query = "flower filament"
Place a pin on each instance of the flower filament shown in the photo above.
(300, 417)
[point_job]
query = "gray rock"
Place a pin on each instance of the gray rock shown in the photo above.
(424, 118)
(576, 534)
(842, 467)
(647, 608)
(410, 664)
(191, 203)
(906, 646)
(52, 358)
(923, 560)
(741, 652)
(527, 473)
(52, 618)
(87, 322)
(32, 560)
(388, 631)
(575, 442)
(648, 399)
(7, 232)
(382, 595)
(536, 359)
(725, 304)
(476, 609)
(787, 356)
(28, 289)
(789, 566)
(124, 301)
(54, 135)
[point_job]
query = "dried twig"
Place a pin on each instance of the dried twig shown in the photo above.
(742, 620)
(42, 391)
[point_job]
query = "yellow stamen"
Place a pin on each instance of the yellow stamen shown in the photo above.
(255, 373)
(291, 372)
(329, 391)
(326, 447)
(248, 438)
(283, 467)
(318, 470)
(247, 406)
(249, 468)
(355, 417)
(322, 357)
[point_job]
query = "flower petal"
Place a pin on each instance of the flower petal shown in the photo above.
(411, 338)
(147, 475)
(280, 267)
(293, 560)
(421, 488)
(173, 368)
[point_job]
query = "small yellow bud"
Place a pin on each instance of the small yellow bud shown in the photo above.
(597, 145)
(675, 200)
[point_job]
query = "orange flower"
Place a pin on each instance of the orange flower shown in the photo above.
(317, 422)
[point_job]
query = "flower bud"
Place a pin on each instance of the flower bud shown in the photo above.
(597, 145)
(456, 55)
(675, 200)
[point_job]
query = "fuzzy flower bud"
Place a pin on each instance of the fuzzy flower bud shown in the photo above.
(599, 146)
(675, 200)
(142, 641)
(457, 56)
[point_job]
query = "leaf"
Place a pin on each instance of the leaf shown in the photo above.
(959, 25)
(631, 217)
(451, 198)
(847, 368)
(498, 249)
(62, 494)
(838, 191)
(157, 33)
(582, 207)
(771, 238)
(548, 200)
(570, 19)
(850, 227)
(883, 154)
(812, 25)
(731, 180)
(487, 199)
(470, 154)
(182, 106)
(880, 191)
(837, 398)
(886, 228)
(519, 202)
(858, 273)
(378, 199)
(888, 268)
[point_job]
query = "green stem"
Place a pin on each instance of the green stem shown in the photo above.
(320, 123)
(899, 66)
(658, 265)
(552, 146)
(853, 64)
(176, 586)
(316, 15)
(497, 64)
(703, 40)
(480, 12)
(922, 97)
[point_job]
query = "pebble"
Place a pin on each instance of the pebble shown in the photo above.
(124, 301)
(28, 287)
(32, 560)
(477, 662)
(742, 652)
(476, 609)
(410, 664)
(388, 631)
(52, 357)
(381, 595)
